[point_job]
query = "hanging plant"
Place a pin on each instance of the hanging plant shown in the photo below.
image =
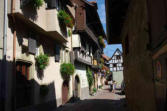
(100, 66)
(66, 70)
(101, 42)
(65, 18)
(33, 3)
(42, 61)
(89, 77)
(44, 90)
(101, 60)
(69, 33)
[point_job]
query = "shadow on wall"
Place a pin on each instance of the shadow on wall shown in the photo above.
(25, 94)
(29, 12)
(3, 82)
(32, 96)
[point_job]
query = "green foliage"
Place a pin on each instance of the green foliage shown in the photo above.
(89, 77)
(100, 87)
(66, 70)
(101, 60)
(108, 72)
(69, 33)
(42, 61)
(101, 41)
(37, 3)
(65, 18)
(100, 66)
(44, 90)
(33, 3)
(94, 90)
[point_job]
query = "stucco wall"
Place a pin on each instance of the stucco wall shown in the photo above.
(138, 71)
(118, 77)
(81, 72)
(51, 75)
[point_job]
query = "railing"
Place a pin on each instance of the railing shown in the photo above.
(82, 57)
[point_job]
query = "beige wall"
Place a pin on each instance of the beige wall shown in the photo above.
(46, 19)
(80, 71)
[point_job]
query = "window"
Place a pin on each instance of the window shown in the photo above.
(57, 53)
(114, 65)
(118, 57)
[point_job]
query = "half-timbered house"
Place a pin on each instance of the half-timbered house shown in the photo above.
(116, 66)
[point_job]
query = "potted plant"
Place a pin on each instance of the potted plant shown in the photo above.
(89, 78)
(42, 61)
(101, 42)
(65, 18)
(66, 70)
(69, 33)
(94, 91)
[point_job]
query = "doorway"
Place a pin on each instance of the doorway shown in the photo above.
(77, 87)
(65, 91)
(23, 85)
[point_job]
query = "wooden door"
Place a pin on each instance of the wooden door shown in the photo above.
(23, 87)
(65, 91)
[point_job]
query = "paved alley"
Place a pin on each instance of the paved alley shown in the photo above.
(102, 101)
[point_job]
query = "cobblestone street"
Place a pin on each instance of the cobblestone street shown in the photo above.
(102, 101)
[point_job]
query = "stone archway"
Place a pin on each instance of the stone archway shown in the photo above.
(65, 91)
(77, 87)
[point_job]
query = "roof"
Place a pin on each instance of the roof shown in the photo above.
(117, 50)
(93, 19)
(115, 16)
(105, 57)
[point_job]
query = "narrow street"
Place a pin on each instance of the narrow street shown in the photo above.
(102, 101)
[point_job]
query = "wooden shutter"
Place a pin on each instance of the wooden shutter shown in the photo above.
(71, 57)
(57, 53)
(32, 45)
(53, 3)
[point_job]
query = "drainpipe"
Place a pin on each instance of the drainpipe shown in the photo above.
(4, 65)
(14, 57)
(5, 30)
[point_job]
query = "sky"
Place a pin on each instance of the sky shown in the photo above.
(110, 49)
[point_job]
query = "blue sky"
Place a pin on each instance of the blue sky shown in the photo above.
(109, 50)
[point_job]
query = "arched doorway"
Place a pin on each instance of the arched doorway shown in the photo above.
(65, 91)
(77, 87)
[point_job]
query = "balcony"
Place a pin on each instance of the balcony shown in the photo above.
(82, 57)
(42, 20)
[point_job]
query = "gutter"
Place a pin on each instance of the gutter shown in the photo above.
(14, 58)
(5, 30)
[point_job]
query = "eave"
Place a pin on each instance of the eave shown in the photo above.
(35, 28)
(115, 16)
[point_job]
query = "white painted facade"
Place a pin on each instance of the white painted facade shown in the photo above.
(116, 66)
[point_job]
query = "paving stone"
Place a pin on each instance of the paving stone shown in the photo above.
(104, 100)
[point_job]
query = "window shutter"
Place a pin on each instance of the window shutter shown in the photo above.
(32, 44)
(71, 57)
(57, 53)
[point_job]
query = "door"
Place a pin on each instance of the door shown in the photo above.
(65, 90)
(23, 87)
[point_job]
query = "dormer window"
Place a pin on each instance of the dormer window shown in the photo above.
(118, 57)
